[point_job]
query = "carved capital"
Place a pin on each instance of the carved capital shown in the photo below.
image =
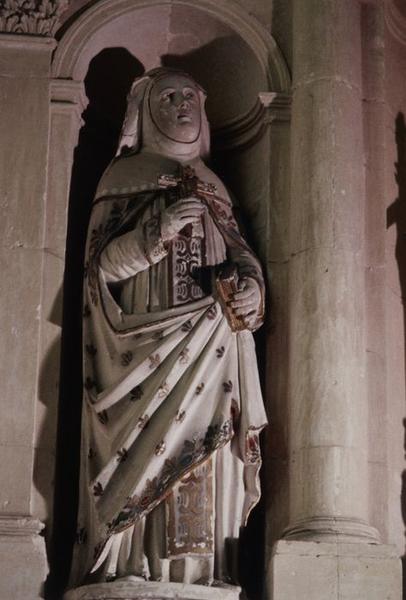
(277, 106)
(33, 17)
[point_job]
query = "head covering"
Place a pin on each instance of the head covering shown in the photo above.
(138, 122)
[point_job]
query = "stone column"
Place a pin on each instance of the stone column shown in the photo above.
(329, 550)
(24, 128)
(275, 474)
(67, 104)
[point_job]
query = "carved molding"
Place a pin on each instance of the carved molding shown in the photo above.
(153, 590)
(65, 92)
(19, 526)
(277, 106)
(395, 21)
(32, 17)
(68, 99)
(331, 529)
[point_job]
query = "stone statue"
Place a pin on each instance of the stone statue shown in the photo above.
(172, 404)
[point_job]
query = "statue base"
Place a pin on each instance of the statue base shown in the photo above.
(153, 590)
(328, 570)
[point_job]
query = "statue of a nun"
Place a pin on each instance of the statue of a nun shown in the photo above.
(172, 405)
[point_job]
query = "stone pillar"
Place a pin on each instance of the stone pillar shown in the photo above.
(275, 474)
(329, 550)
(67, 104)
(24, 129)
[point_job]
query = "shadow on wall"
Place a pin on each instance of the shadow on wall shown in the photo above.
(220, 67)
(107, 84)
(396, 215)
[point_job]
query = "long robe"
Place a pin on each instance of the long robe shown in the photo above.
(171, 394)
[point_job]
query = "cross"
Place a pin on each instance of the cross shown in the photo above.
(188, 184)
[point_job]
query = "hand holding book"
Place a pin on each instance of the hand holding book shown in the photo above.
(240, 298)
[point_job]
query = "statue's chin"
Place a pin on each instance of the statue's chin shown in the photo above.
(185, 132)
(183, 129)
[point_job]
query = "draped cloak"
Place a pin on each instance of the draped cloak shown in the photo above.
(167, 385)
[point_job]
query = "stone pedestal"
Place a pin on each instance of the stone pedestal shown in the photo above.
(23, 566)
(138, 590)
(331, 571)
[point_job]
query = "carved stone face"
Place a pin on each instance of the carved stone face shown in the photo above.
(174, 104)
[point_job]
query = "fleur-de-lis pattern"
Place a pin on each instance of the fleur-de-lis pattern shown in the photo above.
(199, 389)
(143, 422)
(184, 357)
(154, 361)
(180, 416)
(160, 448)
(144, 359)
(193, 451)
(228, 386)
(126, 358)
(98, 237)
(212, 313)
(163, 391)
(187, 326)
(98, 489)
(220, 352)
(122, 455)
(103, 417)
(136, 393)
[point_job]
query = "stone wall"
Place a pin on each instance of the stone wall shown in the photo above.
(324, 204)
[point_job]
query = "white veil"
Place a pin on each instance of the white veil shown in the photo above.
(130, 141)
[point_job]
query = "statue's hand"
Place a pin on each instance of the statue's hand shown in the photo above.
(178, 215)
(247, 301)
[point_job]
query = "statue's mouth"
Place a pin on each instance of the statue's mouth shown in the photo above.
(184, 117)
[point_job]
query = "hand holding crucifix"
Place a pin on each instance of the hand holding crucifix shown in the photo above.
(191, 199)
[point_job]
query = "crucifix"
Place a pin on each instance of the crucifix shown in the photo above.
(187, 184)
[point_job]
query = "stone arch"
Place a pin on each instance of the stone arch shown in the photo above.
(263, 45)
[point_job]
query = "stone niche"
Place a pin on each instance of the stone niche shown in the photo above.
(99, 54)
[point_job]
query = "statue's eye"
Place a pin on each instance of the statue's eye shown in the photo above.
(189, 95)
(166, 97)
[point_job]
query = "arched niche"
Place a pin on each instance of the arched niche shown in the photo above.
(105, 16)
(227, 51)
(98, 55)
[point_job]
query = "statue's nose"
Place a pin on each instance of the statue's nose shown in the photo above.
(182, 102)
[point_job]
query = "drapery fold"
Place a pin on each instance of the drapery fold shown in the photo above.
(165, 387)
